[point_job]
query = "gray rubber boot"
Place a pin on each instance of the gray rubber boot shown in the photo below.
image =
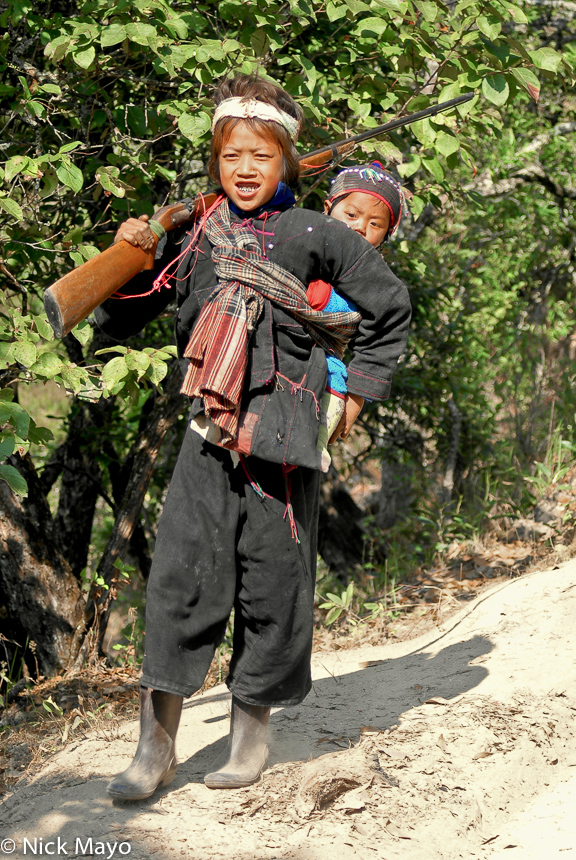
(155, 761)
(246, 756)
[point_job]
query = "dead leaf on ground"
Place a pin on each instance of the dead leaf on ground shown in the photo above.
(394, 752)
(353, 801)
(395, 831)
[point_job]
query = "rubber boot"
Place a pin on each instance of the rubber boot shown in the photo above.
(155, 761)
(246, 756)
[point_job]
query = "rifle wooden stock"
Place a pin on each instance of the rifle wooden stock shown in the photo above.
(78, 293)
(71, 299)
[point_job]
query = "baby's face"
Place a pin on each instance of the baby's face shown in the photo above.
(365, 214)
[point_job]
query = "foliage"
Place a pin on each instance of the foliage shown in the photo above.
(106, 113)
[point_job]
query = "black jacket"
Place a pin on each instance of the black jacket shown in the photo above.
(311, 246)
(286, 373)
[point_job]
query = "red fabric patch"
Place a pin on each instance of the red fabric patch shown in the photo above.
(318, 294)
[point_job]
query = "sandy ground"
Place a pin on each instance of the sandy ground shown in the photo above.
(467, 731)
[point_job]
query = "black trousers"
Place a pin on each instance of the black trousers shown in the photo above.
(219, 546)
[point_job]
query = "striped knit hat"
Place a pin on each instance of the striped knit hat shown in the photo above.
(369, 179)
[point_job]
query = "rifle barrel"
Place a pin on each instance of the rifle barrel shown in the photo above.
(393, 124)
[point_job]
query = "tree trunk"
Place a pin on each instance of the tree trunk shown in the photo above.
(448, 481)
(143, 458)
(341, 535)
(37, 584)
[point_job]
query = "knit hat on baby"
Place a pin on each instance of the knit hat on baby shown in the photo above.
(370, 179)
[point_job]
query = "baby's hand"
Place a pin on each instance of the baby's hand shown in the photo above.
(352, 410)
(137, 232)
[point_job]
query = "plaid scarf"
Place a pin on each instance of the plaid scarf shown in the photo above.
(218, 346)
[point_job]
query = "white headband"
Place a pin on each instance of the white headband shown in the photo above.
(246, 108)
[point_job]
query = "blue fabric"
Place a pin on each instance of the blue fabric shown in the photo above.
(339, 304)
(337, 374)
(283, 199)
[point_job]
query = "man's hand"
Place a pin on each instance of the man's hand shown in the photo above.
(352, 409)
(137, 232)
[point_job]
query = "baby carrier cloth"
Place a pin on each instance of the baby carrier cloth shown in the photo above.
(218, 346)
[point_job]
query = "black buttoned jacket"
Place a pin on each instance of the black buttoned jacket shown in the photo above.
(312, 247)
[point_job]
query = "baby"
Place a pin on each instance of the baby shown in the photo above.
(369, 200)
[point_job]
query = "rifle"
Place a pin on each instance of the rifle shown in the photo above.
(72, 298)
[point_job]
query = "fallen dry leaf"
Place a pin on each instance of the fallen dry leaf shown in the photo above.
(395, 831)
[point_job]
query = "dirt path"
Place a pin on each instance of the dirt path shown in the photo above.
(467, 743)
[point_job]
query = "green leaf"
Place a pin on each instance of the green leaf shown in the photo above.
(24, 352)
(121, 349)
(260, 42)
(84, 57)
(11, 207)
(51, 88)
(142, 362)
(489, 26)
(58, 48)
(112, 35)
(44, 327)
(14, 480)
(515, 11)
(114, 371)
(410, 167)
(388, 151)
(88, 251)
(74, 235)
(141, 33)
(399, 6)
(39, 435)
(74, 377)
(68, 147)
(7, 446)
(546, 58)
(18, 417)
(333, 615)
(371, 27)
(449, 92)
(529, 81)
(48, 365)
(71, 176)
(495, 88)
(434, 167)
(82, 332)
(6, 356)
(429, 10)
(446, 144)
(158, 370)
(14, 166)
(335, 12)
(193, 126)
